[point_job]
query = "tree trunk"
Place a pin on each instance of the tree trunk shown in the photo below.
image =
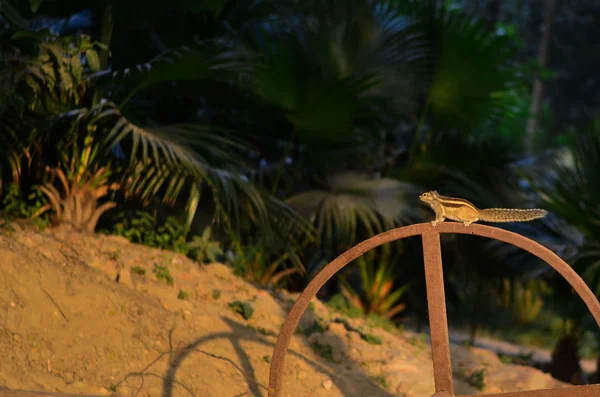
(565, 360)
(538, 86)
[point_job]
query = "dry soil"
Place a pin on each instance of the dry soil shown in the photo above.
(67, 325)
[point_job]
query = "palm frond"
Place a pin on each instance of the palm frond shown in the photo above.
(169, 160)
(470, 68)
(571, 190)
(333, 67)
(571, 193)
(351, 203)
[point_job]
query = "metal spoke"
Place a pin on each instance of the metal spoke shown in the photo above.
(436, 303)
(574, 391)
(434, 278)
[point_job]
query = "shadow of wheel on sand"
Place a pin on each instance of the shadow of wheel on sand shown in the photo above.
(349, 384)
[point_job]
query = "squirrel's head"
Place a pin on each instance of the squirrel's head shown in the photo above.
(428, 196)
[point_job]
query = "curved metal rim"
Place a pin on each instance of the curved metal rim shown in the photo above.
(301, 304)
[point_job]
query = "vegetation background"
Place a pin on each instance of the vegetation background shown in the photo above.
(275, 134)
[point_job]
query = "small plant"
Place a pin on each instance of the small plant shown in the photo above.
(377, 294)
(136, 228)
(138, 270)
(384, 323)
(316, 327)
(381, 380)
(142, 229)
(267, 259)
(506, 359)
(163, 273)
(17, 206)
(340, 304)
(475, 379)
(526, 357)
(172, 236)
(371, 339)
(182, 295)
(524, 300)
(324, 350)
(244, 308)
(85, 180)
(204, 249)
(259, 264)
(416, 340)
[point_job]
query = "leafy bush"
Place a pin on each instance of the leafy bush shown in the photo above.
(524, 299)
(15, 205)
(376, 295)
(204, 249)
(143, 229)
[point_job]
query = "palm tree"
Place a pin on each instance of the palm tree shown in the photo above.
(571, 191)
(350, 205)
(65, 79)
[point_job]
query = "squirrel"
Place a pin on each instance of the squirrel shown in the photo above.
(464, 211)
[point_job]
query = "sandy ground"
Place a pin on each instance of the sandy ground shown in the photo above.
(67, 325)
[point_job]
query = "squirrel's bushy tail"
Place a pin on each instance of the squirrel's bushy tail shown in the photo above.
(510, 215)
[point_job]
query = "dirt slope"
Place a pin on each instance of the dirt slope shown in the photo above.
(67, 325)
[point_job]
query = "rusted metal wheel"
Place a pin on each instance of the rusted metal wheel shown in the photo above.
(440, 345)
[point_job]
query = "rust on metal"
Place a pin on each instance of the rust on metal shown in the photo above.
(442, 394)
(438, 321)
(437, 309)
(572, 391)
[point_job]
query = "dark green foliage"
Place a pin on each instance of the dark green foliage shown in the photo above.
(571, 192)
(138, 270)
(17, 206)
(204, 249)
(296, 129)
(475, 378)
(339, 303)
(163, 273)
(143, 229)
(245, 309)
